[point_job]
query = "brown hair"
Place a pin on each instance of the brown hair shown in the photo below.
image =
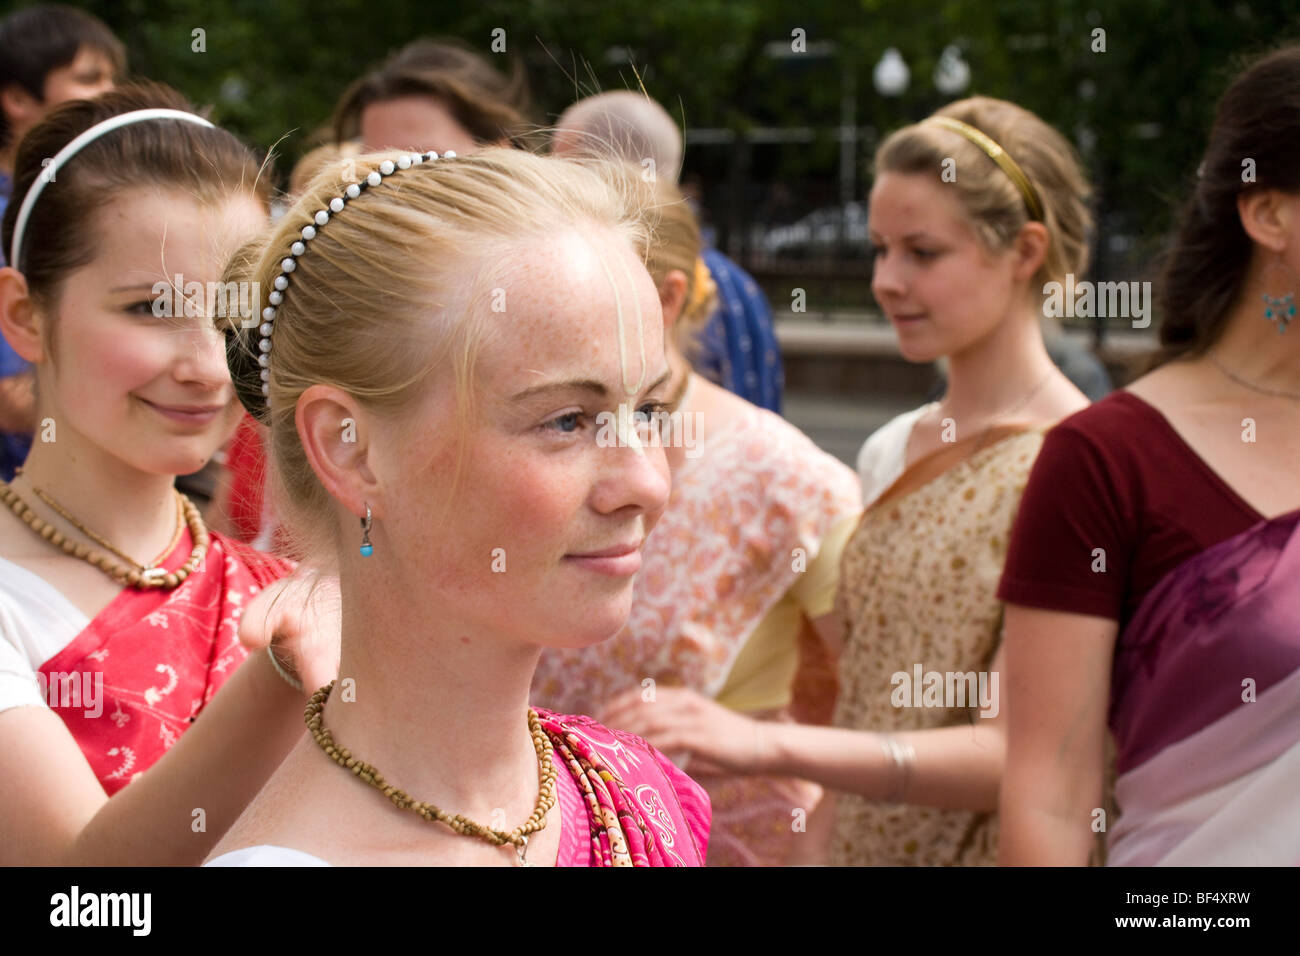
(993, 203)
(488, 105)
(396, 288)
(1203, 270)
(63, 232)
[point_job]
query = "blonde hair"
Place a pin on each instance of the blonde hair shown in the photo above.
(992, 202)
(396, 287)
(322, 157)
(676, 244)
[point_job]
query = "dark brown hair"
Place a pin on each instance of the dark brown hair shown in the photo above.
(38, 40)
(62, 231)
(488, 105)
(1202, 273)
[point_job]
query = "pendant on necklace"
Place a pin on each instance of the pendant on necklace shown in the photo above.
(522, 851)
(153, 574)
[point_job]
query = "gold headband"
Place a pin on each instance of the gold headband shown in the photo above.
(999, 156)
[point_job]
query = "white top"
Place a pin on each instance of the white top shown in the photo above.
(36, 622)
(880, 461)
(266, 855)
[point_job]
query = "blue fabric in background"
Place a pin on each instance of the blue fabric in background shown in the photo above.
(13, 445)
(738, 348)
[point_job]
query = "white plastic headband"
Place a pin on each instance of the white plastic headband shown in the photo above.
(67, 152)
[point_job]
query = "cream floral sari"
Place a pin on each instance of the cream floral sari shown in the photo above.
(917, 588)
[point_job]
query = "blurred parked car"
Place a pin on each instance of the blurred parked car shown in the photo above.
(834, 232)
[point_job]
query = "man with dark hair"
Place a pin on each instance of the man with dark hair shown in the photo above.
(48, 54)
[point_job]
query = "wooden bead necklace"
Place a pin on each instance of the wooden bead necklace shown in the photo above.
(131, 573)
(518, 837)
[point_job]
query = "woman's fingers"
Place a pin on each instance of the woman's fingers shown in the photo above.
(258, 621)
(300, 615)
(677, 719)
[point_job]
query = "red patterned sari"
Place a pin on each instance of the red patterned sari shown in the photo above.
(161, 655)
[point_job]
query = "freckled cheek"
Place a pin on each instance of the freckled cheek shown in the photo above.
(541, 503)
(530, 500)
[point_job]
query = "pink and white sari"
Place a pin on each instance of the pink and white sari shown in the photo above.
(1205, 709)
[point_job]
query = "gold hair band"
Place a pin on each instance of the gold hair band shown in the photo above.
(999, 156)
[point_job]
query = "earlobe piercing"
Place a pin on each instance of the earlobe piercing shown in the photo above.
(367, 549)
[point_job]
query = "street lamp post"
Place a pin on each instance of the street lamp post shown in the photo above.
(951, 73)
(891, 74)
(848, 137)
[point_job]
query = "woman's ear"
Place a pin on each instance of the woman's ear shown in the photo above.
(1031, 250)
(1265, 216)
(20, 319)
(335, 436)
(672, 296)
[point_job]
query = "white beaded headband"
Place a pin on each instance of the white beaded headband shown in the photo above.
(67, 152)
(299, 248)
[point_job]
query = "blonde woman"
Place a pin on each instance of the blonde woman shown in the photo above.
(739, 577)
(439, 346)
(972, 211)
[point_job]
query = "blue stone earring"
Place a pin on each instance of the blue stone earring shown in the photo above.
(367, 549)
(1282, 308)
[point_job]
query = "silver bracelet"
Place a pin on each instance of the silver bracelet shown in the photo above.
(279, 669)
(903, 757)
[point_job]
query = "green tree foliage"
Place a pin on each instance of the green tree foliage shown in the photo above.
(272, 70)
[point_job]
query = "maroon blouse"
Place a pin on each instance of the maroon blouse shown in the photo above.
(1118, 477)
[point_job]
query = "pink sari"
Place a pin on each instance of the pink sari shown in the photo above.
(639, 809)
(1205, 709)
(161, 655)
